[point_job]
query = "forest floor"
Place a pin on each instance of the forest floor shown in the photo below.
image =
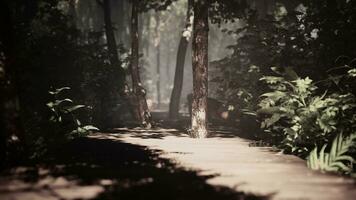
(165, 163)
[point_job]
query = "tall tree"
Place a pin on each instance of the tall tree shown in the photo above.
(110, 38)
(168, 60)
(200, 68)
(158, 60)
(105, 102)
(142, 114)
(179, 72)
(148, 25)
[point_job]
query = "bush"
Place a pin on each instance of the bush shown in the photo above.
(298, 116)
(64, 119)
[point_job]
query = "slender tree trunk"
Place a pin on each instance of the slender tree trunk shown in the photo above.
(168, 70)
(142, 114)
(179, 72)
(168, 60)
(121, 20)
(110, 37)
(147, 47)
(141, 19)
(114, 61)
(158, 62)
(200, 69)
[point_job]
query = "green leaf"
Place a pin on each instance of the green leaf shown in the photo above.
(291, 73)
(50, 104)
(272, 79)
(270, 121)
(321, 157)
(91, 127)
(70, 109)
(78, 122)
(345, 158)
(58, 102)
(340, 166)
(59, 90)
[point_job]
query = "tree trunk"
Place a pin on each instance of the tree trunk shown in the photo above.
(148, 27)
(158, 62)
(120, 21)
(179, 72)
(168, 60)
(114, 62)
(168, 71)
(200, 69)
(142, 114)
(110, 36)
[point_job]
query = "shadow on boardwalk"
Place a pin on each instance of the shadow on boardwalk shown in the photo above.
(162, 132)
(91, 168)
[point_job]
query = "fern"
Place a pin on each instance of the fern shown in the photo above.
(335, 160)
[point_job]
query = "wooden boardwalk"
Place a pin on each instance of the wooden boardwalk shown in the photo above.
(123, 164)
(248, 169)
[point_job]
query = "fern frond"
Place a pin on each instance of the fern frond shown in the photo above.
(335, 160)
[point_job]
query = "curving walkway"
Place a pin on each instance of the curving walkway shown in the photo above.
(255, 170)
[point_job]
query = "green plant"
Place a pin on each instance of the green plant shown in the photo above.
(298, 117)
(64, 115)
(335, 160)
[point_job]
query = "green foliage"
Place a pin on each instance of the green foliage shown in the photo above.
(64, 116)
(261, 43)
(48, 50)
(352, 72)
(296, 115)
(239, 87)
(337, 159)
(311, 36)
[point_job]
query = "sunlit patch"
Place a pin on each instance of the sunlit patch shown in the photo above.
(201, 132)
(199, 115)
(314, 33)
(231, 108)
(198, 124)
(79, 192)
(225, 115)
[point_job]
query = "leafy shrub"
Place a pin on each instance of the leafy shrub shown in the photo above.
(64, 116)
(239, 88)
(298, 117)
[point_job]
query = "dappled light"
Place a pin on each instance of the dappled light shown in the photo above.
(178, 99)
(98, 168)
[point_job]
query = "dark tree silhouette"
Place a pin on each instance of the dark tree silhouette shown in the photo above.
(158, 61)
(110, 38)
(179, 72)
(104, 107)
(142, 114)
